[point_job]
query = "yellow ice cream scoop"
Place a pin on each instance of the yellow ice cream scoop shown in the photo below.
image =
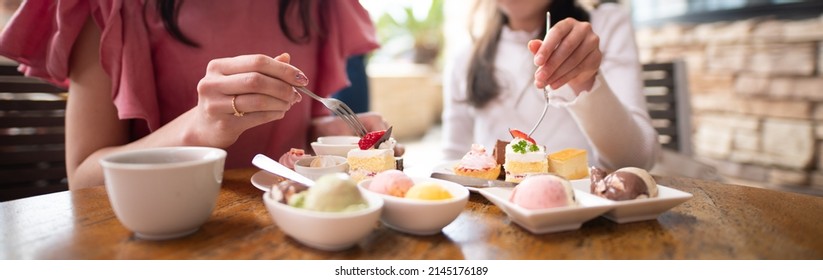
(428, 191)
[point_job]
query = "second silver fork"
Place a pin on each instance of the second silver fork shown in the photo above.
(338, 108)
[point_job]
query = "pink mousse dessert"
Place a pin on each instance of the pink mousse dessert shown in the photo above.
(476, 163)
(543, 191)
(391, 182)
(289, 158)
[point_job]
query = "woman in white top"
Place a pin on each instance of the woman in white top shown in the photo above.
(497, 84)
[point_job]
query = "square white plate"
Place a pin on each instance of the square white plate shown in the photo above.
(552, 219)
(638, 209)
(622, 211)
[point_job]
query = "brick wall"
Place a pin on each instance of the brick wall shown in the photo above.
(756, 92)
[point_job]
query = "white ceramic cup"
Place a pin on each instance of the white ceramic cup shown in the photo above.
(164, 193)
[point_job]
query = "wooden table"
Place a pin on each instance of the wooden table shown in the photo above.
(720, 222)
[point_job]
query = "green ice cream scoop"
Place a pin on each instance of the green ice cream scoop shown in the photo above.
(331, 193)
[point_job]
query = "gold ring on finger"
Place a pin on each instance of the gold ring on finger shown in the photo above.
(234, 107)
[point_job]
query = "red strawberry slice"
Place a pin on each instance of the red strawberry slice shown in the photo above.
(519, 134)
(370, 138)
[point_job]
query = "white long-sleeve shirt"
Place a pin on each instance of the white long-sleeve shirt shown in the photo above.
(610, 121)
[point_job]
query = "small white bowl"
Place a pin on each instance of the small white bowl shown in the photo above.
(421, 217)
(303, 167)
(335, 145)
(329, 231)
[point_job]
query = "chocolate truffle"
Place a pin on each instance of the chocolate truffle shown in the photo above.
(624, 184)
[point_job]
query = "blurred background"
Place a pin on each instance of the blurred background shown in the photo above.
(744, 76)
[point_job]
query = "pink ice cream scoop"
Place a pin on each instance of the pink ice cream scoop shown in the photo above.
(391, 182)
(543, 191)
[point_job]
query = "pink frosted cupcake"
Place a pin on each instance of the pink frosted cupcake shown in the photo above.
(289, 158)
(476, 163)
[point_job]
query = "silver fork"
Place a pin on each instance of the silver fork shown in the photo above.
(338, 108)
(542, 115)
(545, 91)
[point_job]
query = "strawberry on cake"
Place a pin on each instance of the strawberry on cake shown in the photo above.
(524, 157)
(376, 154)
(476, 163)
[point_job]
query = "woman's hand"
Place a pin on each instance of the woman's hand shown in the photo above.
(239, 93)
(570, 53)
(334, 125)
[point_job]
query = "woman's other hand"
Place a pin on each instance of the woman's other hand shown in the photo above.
(334, 125)
(570, 53)
(238, 93)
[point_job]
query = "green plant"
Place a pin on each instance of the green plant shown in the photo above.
(426, 33)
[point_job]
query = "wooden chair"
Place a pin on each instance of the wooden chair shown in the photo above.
(667, 97)
(668, 100)
(32, 141)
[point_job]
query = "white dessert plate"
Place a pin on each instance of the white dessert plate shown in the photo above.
(638, 209)
(552, 219)
(263, 180)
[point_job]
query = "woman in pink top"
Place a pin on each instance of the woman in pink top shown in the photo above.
(200, 73)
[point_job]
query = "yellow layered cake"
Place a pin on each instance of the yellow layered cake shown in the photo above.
(569, 163)
(364, 164)
(524, 158)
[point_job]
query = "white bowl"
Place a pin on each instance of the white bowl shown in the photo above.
(328, 231)
(303, 167)
(163, 193)
(421, 217)
(335, 145)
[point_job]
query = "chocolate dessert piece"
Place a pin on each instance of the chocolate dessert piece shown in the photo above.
(499, 154)
(624, 184)
(499, 151)
(399, 162)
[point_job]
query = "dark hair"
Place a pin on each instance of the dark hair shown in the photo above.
(481, 85)
(168, 12)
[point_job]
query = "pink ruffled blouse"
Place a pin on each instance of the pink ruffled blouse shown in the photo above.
(154, 77)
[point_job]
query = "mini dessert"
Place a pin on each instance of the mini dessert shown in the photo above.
(499, 155)
(428, 191)
(286, 189)
(331, 193)
(543, 191)
(524, 157)
(322, 161)
(476, 163)
(570, 163)
(376, 154)
(391, 182)
(624, 184)
(289, 158)
(499, 151)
